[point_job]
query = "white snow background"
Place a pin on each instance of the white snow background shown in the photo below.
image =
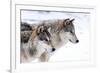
(69, 52)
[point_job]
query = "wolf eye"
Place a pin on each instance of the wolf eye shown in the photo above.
(46, 39)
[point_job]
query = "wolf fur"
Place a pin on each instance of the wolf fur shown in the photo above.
(60, 32)
(37, 45)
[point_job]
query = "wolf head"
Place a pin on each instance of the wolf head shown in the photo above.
(45, 37)
(69, 30)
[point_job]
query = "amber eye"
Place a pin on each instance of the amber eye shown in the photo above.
(43, 39)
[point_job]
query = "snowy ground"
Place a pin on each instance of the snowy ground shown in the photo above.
(70, 51)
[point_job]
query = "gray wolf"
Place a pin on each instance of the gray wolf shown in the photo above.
(35, 44)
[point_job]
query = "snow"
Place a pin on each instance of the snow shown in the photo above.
(69, 52)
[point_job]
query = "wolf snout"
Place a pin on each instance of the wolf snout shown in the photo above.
(77, 41)
(53, 49)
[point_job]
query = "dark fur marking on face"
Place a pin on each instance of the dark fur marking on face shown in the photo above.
(43, 36)
(43, 33)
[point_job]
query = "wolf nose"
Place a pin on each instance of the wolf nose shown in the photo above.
(53, 49)
(77, 41)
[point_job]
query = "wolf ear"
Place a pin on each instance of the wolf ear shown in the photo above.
(66, 22)
(39, 29)
(72, 20)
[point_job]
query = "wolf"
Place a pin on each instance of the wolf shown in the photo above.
(62, 31)
(35, 44)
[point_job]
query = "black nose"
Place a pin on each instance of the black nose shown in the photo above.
(53, 49)
(77, 41)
